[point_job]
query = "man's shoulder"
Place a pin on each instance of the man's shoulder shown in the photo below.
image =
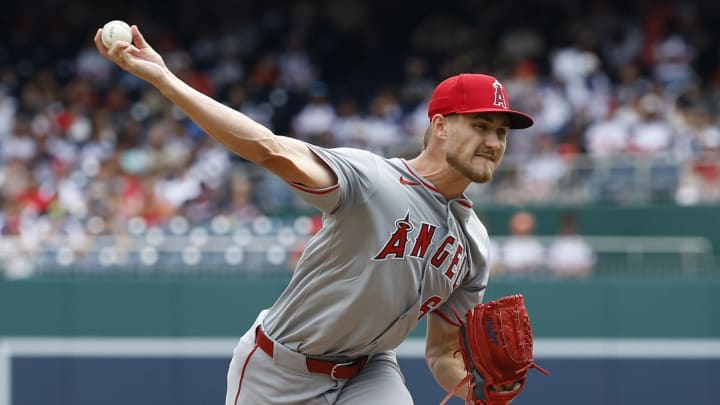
(345, 150)
(357, 154)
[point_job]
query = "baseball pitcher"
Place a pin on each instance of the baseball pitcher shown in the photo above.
(400, 242)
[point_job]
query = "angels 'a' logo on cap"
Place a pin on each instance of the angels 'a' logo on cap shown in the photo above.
(499, 99)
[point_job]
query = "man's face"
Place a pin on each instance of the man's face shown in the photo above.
(476, 144)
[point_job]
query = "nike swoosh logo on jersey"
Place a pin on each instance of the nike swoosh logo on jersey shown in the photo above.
(407, 182)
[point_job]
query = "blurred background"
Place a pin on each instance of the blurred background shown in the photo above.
(134, 249)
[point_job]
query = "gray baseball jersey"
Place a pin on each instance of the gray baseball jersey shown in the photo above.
(392, 249)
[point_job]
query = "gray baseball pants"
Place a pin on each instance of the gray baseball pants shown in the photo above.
(256, 378)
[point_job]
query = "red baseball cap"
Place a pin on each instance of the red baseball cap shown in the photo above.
(472, 93)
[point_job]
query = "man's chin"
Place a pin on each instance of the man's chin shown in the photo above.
(483, 175)
(486, 178)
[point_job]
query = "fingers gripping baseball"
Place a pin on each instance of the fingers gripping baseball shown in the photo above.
(138, 38)
(138, 57)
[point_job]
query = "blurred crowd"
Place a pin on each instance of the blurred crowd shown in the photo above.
(619, 90)
(523, 254)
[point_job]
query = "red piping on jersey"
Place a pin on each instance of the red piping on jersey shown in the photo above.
(242, 374)
(444, 317)
(464, 201)
(313, 190)
(322, 157)
(407, 182)
(424, 183)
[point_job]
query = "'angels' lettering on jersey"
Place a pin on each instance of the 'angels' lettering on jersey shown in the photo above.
(402, 240)
(429, 305)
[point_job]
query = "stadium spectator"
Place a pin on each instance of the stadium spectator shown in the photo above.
(522, 254)
(241, 206)
(651, 134)
(313, 122)
(543, 170)
(568, 254)
(608, 136)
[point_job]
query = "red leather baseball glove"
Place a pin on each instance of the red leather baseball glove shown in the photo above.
(496, 343)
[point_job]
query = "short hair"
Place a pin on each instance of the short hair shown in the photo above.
(427, 136)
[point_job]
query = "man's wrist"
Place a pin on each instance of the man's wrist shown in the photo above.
(167, 83)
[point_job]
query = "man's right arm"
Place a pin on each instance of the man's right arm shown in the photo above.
(289, 158)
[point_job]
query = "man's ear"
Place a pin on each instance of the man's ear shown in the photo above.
(439, 125)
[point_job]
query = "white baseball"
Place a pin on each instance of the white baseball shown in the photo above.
(116, 30)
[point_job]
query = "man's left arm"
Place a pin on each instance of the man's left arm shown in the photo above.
(441, 353)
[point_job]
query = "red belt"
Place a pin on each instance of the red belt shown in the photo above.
(338, 371)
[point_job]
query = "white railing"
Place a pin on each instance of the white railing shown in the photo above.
(276, 253)
(651, 254)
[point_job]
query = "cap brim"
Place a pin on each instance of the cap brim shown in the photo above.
(518, 120)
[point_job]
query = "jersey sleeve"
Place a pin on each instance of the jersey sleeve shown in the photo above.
(465, 297)
(357, 173)
(472, 288)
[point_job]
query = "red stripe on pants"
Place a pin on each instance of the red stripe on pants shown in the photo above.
(242, 374)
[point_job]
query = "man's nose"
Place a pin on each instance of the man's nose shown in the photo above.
(492, 140)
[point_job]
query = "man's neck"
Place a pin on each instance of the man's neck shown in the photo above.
(437, 171)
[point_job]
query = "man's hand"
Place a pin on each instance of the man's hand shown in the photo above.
(139, 59)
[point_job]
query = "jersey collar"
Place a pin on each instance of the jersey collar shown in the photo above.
(462, 201)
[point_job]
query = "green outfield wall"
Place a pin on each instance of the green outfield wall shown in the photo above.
(620, 306)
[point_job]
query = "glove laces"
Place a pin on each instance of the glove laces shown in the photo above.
(532, 365)
(464, 381)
